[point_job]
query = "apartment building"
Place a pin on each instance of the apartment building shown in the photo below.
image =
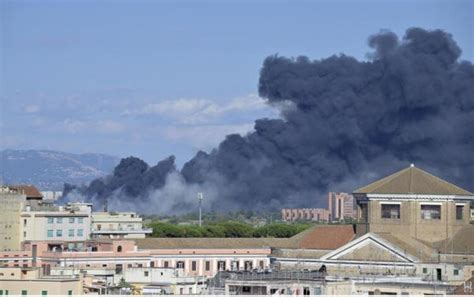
(25, 216)
(120, 225)
(341, 206)
(309, 214)
(11, 206)
(30, 281)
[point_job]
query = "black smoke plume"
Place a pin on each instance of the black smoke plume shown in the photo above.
(344, 123)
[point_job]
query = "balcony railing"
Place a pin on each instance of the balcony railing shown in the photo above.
(122, 231)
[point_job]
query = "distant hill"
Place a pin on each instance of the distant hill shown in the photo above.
(49, 170)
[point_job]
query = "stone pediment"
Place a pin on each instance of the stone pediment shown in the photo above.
(370, 247)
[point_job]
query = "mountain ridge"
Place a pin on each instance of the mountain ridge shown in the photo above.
(49, 169)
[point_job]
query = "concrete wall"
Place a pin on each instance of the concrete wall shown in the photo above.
(16, 280)
(35, 226)
(412, 225)
(10, 228)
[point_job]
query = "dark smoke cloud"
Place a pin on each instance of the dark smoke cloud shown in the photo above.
(344, 122)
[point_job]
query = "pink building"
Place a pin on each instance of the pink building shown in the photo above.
(196, 256)
(312, 214)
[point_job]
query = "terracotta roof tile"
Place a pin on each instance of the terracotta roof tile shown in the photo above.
(210, 243)
(29, 190)
(327, 237)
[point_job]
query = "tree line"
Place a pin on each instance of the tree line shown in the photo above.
(226, 229)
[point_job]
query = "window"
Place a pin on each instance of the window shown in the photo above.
(80, 232)
(50, 220)
(425, 270)
(248, 265)
(119, 249)
(193, 266)
(221, 265)
(1, 292)
(139, 265)
(24, 222)
(129, 265)
(430, 212)
(145, 273)
(459, 211)
(24, 234)
(80, 220)
(69, 292)
(44, 293)
(180, 264)
(50, 233)
(59, 233)
(208, 265)
(165, 264)
(59, 220)
(390, 211)
(70, 232)
(71, 220)
(104, 265)
(24, 292)
(456, 272)
(261, 265)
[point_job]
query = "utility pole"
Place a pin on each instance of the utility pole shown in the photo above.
(200, 197)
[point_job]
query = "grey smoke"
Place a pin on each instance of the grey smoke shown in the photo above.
(344, 122)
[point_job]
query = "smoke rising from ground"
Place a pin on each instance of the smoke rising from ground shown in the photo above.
(344, 123)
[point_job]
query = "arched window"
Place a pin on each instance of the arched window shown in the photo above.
(119, 249)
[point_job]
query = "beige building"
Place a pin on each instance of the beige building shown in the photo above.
(27, 217)
(29, 281)
(413, 204)
(11, 206)
(412, 224)
(127, 225)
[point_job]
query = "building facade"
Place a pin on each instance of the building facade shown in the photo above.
(341, 206)
(414, 204)
(30, 281)
(125, 225)
(25, 216)
(309, 214)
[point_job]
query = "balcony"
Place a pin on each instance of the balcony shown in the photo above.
(122, 231)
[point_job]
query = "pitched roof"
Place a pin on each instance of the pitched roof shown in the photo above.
(29, 190)
(209, 243)
(324, 237)
(412, 246)
(466, 288)
(461, 243)
(412, 180)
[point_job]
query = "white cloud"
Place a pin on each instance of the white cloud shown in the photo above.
(73, 126)
(104, 127)
(109, 127)
(198, 111)
(205, 136)
(31, 108)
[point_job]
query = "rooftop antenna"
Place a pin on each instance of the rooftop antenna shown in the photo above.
(200, 197)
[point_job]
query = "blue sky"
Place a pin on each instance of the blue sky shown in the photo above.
(155, 78)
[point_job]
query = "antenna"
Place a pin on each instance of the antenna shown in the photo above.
(200, 197)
